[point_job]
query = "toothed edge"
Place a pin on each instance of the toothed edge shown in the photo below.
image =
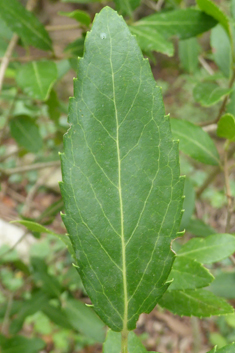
(182, 232)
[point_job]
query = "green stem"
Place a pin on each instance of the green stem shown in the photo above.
(124, 341)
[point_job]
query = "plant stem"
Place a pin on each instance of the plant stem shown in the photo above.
(228, 193)
(196, 334)
(124, 341)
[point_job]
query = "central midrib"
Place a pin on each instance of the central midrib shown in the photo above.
(125, 314)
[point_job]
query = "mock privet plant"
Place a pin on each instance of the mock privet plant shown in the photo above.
(122, 189)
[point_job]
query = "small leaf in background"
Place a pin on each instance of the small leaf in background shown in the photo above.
(126, 7)
(22, 344)
(57, 315)
(150, 40)
(213, 248)
(195, 142)
(76, 47)
(84, 319)
(224, 285)
(36, 227)
(230, 108)
(181, 23)
(36, 78)
(188, 274)
(230, 348)
(78, 15)
(201, 303)
(48, 283)
(188, 53)
(221, 49)
(189, 203)
(217, 339)
(199, 228)
(213, 10)
(226, 127)
(29, 307)
(209, 93)
(53, 105)
(113, 343)
(25, 24)
(26, 133)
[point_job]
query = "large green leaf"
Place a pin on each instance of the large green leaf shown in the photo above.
(18, 344)
(213, 10)
(221, 48)
(26, 133)
(25, 24)
(36, 78)
(84, 319)
(121, 185)
(226, 127)
(195, 142)
(182, 23)
(188, 274)
(113, 343)
(213, 248)
(188, 54)
(209, 93)
(201, 303)
(224, 285)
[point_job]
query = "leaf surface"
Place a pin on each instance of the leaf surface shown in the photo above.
(188, 274)
(121, 185)
(199, 303)
(150, 39)
(213, 248)
(26, 133)
(113, 343)
(209, 93)
(188, 54)
(195, 142)
(189, 203)
(18, 344)
(25, 24)
(226, 127)
(221, 49)
(84, 319)
(125, 7)
(224, 285)
(213, 10)
(36, 78)
(181, 23)
(78, 15)
(199, 228)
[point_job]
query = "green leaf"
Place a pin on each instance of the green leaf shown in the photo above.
(209, 93)
(36, 227)
(29, 307)
(181, 23)
(48, 283)
(188, 54)
(36, 78)
(121, 176)
(189, 203)
(125, 7)
(211, 9)
(113, 343)
(53, 105)
(25, 24)
(26, 133)
(227, 349)
(230, 108)
(195, 142)
(213, 248)
(232, 9)
(188, 274)
(224, 285)
(199, 303)
(199, 228)
(226, 127)
(221, 49)
(76, 47)
(84, 319)
(150, 40)
(18, 344)
(57, 315)
(78, 15)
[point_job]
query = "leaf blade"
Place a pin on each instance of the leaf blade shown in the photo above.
(112, 194)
